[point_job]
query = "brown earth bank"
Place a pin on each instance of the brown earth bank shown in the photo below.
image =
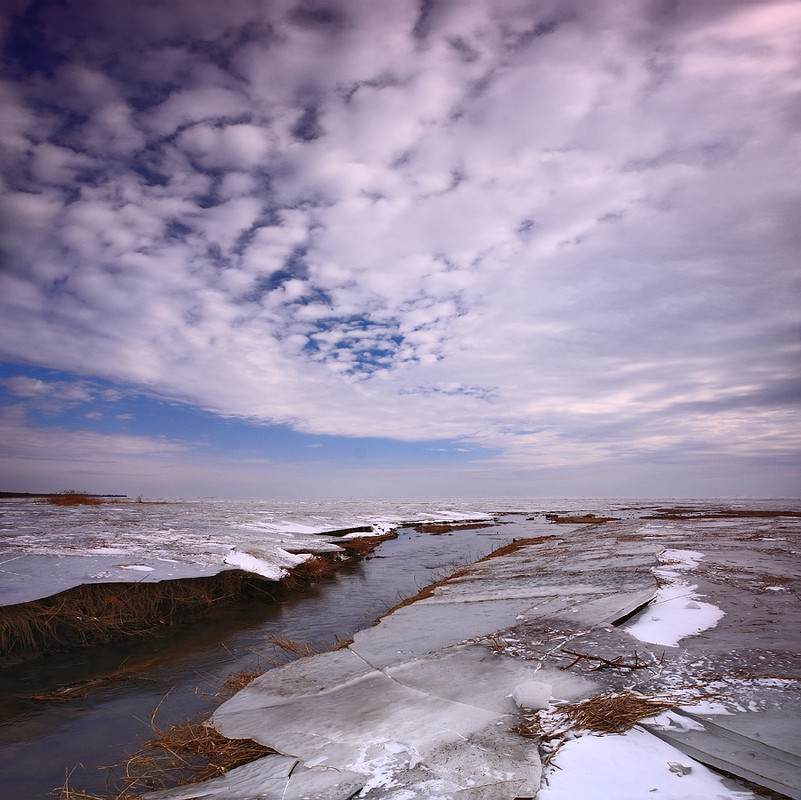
(694, 513)
(583, 519)
(100, 613)
(439, 527)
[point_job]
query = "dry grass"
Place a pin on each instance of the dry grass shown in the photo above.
(615, 712)
(583, 519)
(681, 512)
(441, 527)
(291, 648)
(182, 754)
(99, 613)
(189, 752)
(607, 713)
(72, 498)
(363, 545)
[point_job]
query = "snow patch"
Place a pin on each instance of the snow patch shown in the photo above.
(631, 766)
(677, 611)
(257, 566)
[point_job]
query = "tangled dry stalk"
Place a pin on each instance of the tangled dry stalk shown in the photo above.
(187, 753)
(614, 712)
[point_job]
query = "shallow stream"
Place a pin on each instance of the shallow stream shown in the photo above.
(42, 741)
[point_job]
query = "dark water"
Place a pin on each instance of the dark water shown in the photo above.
(42, 741)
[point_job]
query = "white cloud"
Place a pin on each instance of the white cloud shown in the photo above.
(230, 147)
(587, 215)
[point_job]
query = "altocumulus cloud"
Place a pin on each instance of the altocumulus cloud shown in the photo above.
(564, 234)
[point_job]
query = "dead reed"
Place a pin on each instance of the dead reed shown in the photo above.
(292, 648)
(615, 712)
(99, 613)
(582, 519)
(443, 527)
(188, 752)
(363, 545)
(72, 498)
(191, 752)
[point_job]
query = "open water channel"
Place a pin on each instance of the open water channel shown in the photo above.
(42, 741)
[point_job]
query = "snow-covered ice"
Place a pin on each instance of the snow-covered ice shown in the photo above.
(632, 766)
(45, 549)
(423, 705)
(677, 610)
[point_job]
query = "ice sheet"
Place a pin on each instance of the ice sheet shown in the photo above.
(45, 549)
(441, 723)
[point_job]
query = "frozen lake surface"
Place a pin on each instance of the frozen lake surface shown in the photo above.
(45, 548)
(423, 704)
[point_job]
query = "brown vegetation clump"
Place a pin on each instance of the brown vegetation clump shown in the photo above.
(99, 613)
(583, 519)
(191, 752)
(441, 527)
(681, 512)
(363, 545)
(615, 712)
(72, 498)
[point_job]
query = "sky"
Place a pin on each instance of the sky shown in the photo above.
(413, 248)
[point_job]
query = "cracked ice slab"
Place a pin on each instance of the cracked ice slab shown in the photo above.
(409, 706)
(406, 706)
(440, 723)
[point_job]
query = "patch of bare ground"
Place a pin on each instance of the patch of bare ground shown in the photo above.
(680, 512)
(439, 528)
(582, 519)
(73, 498)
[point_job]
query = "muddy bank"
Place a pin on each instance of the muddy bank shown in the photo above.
(102, 613)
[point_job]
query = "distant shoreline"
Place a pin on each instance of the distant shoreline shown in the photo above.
(23, 495)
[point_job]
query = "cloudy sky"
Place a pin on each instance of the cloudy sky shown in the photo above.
(401, 247)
